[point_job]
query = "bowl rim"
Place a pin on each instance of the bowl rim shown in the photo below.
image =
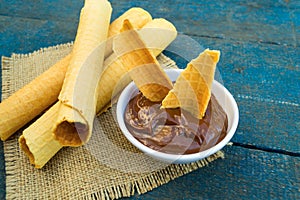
(131, 88)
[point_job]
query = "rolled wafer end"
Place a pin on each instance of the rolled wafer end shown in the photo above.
(157, 35)
(25, 148)
(138, 17)
(38, 150)
(71, 133)
(37, 140)
(214, 55)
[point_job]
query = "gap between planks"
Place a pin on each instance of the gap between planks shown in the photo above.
(266, 149)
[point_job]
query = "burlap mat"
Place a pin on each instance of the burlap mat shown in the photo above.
(108, 167)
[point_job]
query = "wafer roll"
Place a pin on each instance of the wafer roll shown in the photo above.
(192, 90)
(157, 35)
(30, 101)
(142, 66)
(37, 143)
(139, 18)
(77, 99)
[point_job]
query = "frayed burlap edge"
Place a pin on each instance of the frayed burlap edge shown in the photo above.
(153, 180)
(9, 150)
(5, 76)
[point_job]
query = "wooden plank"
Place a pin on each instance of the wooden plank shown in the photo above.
(267, 21)
(264, 79)
(55, 10)
(243, 174)
(294, 10)
(61, 17)
(264, 70)
(272, 126)
(24, 35)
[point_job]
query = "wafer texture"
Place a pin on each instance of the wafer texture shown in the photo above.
(77, 98)
(35, 97)
(157, 35)
(31, 100)
(137, 16)
(37, 141)
(192, 90)
(142, 66)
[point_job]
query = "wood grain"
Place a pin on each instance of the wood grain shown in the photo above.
(243, 174)
(259, 43)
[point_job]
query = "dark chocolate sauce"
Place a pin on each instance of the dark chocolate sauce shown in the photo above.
(175, 131)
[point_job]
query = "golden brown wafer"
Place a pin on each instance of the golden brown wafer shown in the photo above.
(141, 65)
(192, 89)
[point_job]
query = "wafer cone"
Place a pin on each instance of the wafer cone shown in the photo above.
(114, 77)
(192, 90)
(142, 66)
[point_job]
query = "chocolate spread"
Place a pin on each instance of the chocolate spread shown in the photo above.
(175, 131)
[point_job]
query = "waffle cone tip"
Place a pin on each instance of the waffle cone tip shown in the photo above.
(214, 54)
(127, 26)
(192, 90)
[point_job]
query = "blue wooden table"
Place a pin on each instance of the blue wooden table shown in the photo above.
(259, 41)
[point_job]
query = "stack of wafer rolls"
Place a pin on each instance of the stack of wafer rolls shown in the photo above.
(31, 100)
(69, 121)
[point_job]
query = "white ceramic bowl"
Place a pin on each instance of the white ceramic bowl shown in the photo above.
(224, 98)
